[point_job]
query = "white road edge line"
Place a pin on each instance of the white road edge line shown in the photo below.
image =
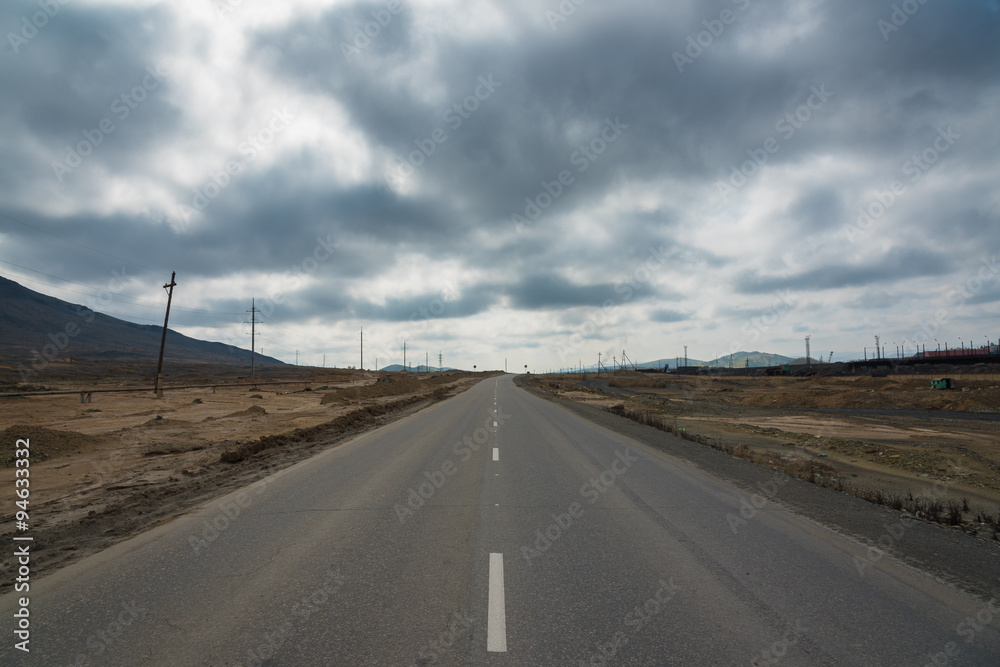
(496, 453)
(496, 623)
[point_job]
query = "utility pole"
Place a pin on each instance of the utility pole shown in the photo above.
(808, 362)
(296, 357)
(598, 364)
(158, 387)
(253, 334)
(404, 355)
(685, 355)
(426, 363)
(441, 362)
(362, 366)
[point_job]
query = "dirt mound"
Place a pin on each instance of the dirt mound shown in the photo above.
(352, 420)
(390, 385)
(46, 443)
(159, 422)
(252, 411)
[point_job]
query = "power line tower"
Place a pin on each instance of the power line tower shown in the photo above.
(808, 361)
(404, 355)
(878, 350)
(440, 363)
(362, 366)
(253, 333)
(158, 388)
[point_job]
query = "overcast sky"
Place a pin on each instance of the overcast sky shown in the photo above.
(535, 181)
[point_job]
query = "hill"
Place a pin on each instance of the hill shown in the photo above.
(395, 368)
(751, 359)
(35, 329)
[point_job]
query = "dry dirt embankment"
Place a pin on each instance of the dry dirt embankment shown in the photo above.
(111, 469)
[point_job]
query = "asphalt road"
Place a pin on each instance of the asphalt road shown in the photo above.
(542, 540)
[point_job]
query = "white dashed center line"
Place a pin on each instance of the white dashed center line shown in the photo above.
(496, 623)
(496, 453)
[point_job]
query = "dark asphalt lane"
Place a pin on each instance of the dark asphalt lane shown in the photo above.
(378, 552)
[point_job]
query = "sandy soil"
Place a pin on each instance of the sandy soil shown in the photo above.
(105, 470)
(892, 433)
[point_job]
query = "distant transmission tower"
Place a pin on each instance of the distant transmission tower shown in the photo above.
(808, 361)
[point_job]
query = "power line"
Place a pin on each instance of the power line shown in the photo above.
(82, 245)
(124, 298)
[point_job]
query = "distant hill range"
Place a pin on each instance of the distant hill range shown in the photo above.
(395, 368)
(751, 359)
(738, 360)
(34, 326)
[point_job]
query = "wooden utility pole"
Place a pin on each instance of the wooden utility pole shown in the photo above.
(253, 335)
(158, 386)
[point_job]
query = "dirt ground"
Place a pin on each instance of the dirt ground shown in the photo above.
(105, 470)
(892, 433)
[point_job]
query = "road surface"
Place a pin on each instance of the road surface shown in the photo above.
(498, 529)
